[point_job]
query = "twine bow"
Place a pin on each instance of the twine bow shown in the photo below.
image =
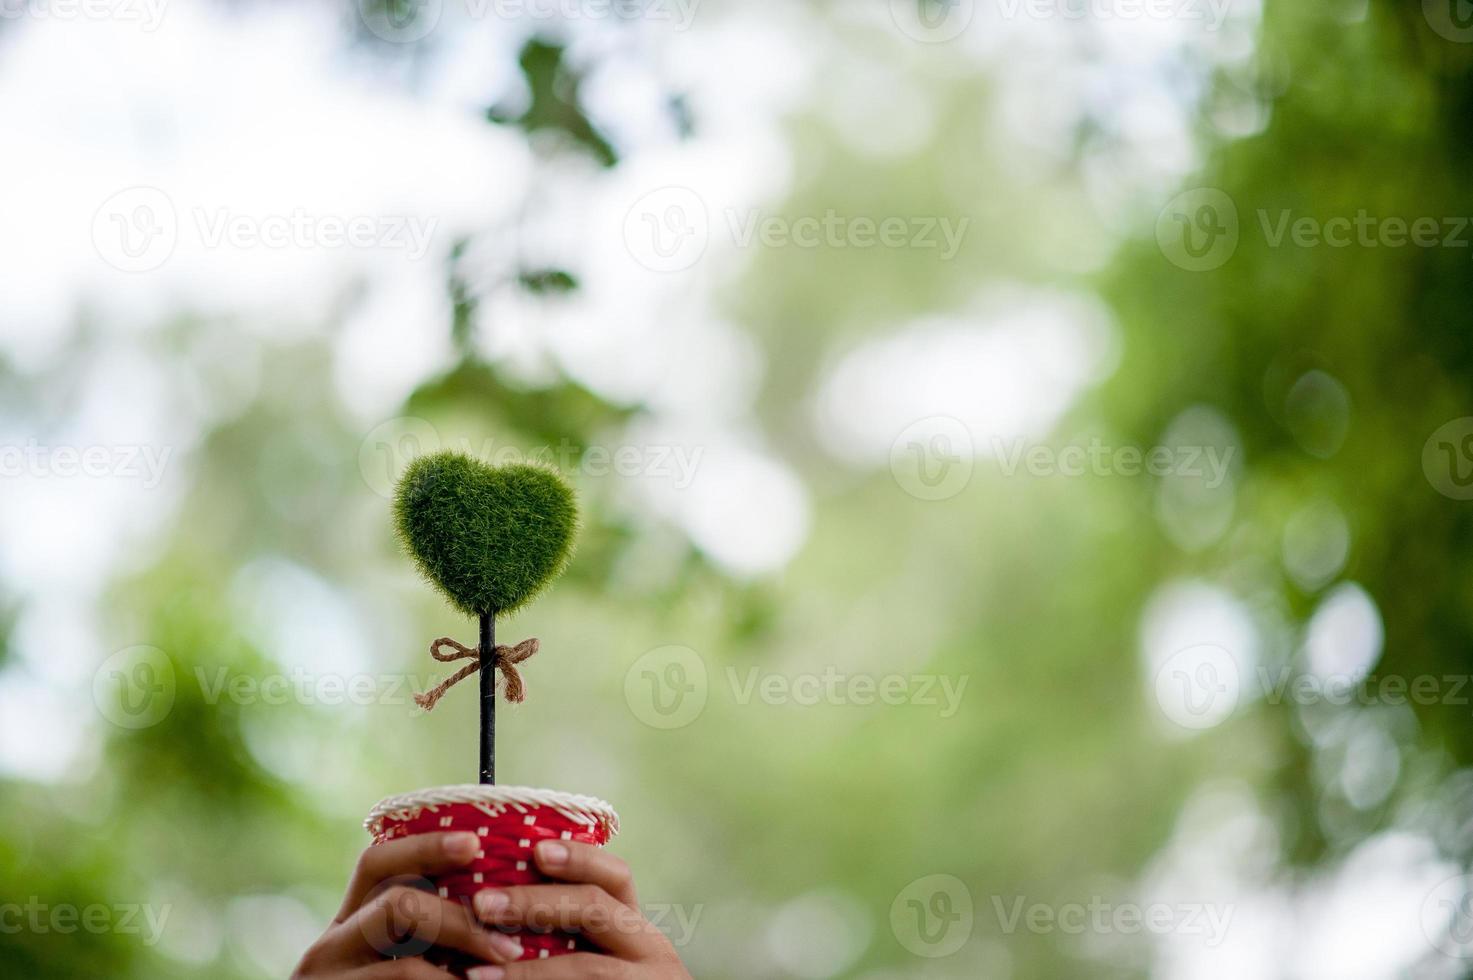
(503, 658)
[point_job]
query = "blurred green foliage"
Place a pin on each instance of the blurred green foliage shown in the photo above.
(1031, 589)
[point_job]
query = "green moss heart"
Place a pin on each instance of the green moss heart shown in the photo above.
(488, 537)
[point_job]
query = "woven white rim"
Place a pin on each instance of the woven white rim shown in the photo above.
(494, 801)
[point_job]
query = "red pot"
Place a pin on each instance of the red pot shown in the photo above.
(510, 820)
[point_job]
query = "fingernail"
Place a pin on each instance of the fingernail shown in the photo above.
(485, 973)
(489, 903)
(461, 847)
(553, 853)
(506, 947)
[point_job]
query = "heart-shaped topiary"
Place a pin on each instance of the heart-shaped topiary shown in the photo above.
(489, 537)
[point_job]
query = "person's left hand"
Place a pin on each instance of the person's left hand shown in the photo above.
(391, 916)
(597, 900)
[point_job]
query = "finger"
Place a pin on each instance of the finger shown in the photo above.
(584, 863)
(574, 966)
(586, 909)
(406, 922)
(422, 854)
(406, 969)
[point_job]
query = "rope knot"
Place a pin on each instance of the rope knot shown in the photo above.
(503, 658)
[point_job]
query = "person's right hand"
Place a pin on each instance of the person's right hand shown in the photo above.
(389, 920)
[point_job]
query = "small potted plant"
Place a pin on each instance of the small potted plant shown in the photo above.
(490, 538)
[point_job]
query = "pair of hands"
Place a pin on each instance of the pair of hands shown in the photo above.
(389, 912)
